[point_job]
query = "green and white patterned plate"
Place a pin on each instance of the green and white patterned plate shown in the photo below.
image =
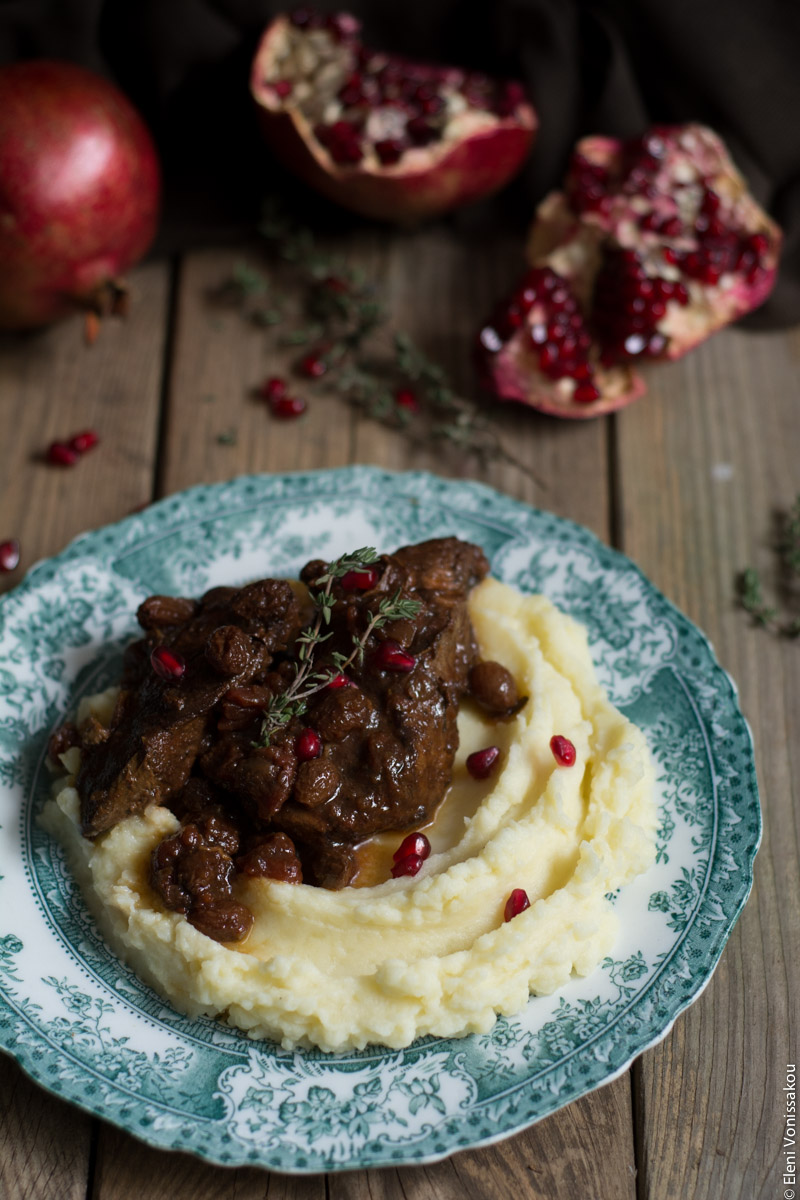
(82, 1024)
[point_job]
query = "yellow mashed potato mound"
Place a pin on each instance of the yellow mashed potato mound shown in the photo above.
(431, 954)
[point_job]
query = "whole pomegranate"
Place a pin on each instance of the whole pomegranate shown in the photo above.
(79, 192)
(386, 137)
(653, 245)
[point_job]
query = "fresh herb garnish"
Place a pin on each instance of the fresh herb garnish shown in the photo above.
(750, 591)
(308, 677)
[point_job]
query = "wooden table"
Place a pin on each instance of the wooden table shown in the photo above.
(686, 482)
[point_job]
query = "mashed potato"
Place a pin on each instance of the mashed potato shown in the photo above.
(431, 954)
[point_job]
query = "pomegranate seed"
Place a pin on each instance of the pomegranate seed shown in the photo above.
(563, 750)
(334, 284)
(312, 366)
(410, 865)
(167, 663)
(672, 227)
(9, 555)
(282, 88)
(758, 244)
(585, 393)
(81, 442)
(59, 454)
(273, 389)
(481, 763)
(390, 656)
(421, 131)
(287, 407)
(671, 256)
(339, 681)
(416, 844)
(405, 398)
(516, 903)
(389, 151)
(360, 580)
(308, 745)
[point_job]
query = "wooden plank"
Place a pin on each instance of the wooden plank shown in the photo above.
(704, 464)
(52, 386)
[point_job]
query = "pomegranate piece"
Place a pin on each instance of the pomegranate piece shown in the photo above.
(81, 184)
(516, 903)
(384, 136)
(308, 745)
(61, 454)
(406, 399)
(563, 750)
(339, 681)
(167, 664)
(410, 865)
(481, 763)
(9, 555)
(81, 442)
(273, 388)
(416, 844)
(287, 407)
(653, 245)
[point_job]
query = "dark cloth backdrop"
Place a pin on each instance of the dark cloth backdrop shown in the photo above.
(592, 66)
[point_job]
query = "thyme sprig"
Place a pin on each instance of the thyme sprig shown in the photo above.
(308, 677)
(361, 358)
(750, 591)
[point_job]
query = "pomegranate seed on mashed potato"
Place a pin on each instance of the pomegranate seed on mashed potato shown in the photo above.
(430, 953)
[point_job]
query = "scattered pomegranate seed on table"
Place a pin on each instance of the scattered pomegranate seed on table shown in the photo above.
(360, 580)
(60, 454)
(406, 399)
(166, 663)
(308, 745)
(563, 750)
(9, 555)
(313, 366)
(415, 845)
(287, 407)
(86, 440)
(516, 903)
(273, 388)
(390, 656)
(481, 763)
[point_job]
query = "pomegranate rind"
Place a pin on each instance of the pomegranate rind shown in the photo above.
(80, 190)
(484, 154)
(570, 243)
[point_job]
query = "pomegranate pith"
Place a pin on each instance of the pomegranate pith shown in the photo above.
(385, 136)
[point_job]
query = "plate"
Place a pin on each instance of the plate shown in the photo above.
(83, 1025)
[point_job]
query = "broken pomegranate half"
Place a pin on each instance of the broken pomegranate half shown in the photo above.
(386, 137)
(653, 245)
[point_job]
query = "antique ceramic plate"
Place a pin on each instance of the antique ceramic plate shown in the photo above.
(82, 1024)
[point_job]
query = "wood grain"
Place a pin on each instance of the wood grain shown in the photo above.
(703, 465)
(52, 386)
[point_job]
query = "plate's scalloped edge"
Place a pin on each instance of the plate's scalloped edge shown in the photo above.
(364, 478)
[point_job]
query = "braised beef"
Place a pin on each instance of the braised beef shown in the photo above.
(389, 736)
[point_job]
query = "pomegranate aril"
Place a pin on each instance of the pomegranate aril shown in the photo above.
(273, 389)
(389, 151)
(414, 844)
(481, 763)
(166, 663)
(339, 681)
(286, 408)
(360, 580)
(563, 750)
(282, 88)
(516, 903)
(9, 555)
(342, 140)
(421, 132)
(312, 366)
(308, 745)
(406, 399)
(87, 439)
(60, 454)
(585, 393)
(672, 227)
(390, 656)
(410, 865)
